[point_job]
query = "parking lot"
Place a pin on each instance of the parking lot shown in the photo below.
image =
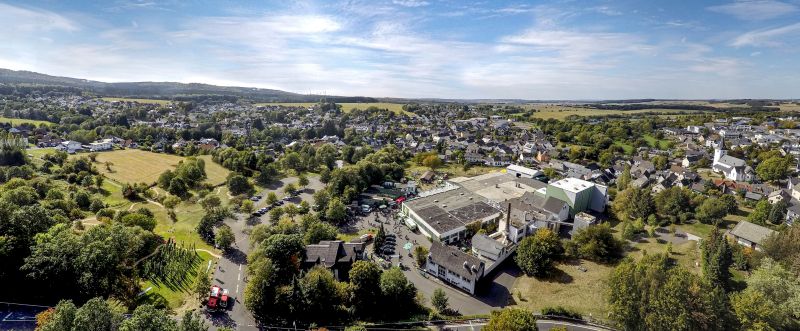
(495, 292)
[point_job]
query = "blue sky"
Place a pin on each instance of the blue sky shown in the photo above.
(420, 48)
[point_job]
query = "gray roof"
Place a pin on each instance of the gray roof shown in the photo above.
(731, 161)
(455, 260)
(329, 253)
(484, 243)
(751, 232)
(753, 196)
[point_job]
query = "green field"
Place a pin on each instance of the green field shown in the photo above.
(346, 107)
(150, 101)
(137, 166)
(18, 121)
(562, 112)
(569, 287)
(656, 143)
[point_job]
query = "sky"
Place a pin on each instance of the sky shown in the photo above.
(536, 50)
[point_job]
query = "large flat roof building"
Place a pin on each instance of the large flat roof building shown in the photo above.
(579, 194)
(443, 216)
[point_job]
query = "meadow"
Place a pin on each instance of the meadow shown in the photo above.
(560, 112)
(346, 107)
(137, 166)
(18, 121)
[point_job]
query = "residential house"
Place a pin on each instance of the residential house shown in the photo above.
(335, 255)
(750, 235)
(453, 266)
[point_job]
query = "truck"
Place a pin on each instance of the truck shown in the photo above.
(217, 299)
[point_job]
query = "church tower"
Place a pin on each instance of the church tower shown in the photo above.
(719, 151)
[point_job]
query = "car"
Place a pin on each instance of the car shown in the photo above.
(366, 237)
(253, 199)
(390, 240)
(387, 251)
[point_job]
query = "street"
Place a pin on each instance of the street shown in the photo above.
(232, 267)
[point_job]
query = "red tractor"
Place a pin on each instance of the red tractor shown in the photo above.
(218, 299)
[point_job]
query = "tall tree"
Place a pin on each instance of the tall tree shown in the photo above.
(439, 300)
(717, 259)
(654, 295)
(536, 254)
(148, 318)
(511, 319)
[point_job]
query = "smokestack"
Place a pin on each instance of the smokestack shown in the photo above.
(508, 218)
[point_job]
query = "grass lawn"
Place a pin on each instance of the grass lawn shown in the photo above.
(152, 101)
(350, 236)
(685, 254)
(570, 287)
(18, 121)
(217, 174)
(346, 107)
(628, 148)
(656, 143)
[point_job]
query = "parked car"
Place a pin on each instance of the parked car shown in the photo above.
(366, 237)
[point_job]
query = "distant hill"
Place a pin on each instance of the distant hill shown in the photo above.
(164, 90)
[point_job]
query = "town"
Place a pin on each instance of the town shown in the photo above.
(467, 193)
(345, 165)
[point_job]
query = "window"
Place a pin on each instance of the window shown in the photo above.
(442, 272)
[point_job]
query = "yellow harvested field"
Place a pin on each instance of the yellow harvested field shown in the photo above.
(346, 107)
(561, 112)
(137, 166)
(216, 173)
(152, 101)
(790, 107)
(18, 121)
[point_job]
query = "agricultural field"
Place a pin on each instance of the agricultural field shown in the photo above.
(137, 166)
(346, 107)
(151, 101)
(18, 121)
(561, 112)
(790, 107)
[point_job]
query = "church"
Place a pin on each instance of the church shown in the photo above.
(733, 168)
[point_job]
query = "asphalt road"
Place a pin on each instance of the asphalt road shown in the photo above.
(232, 267)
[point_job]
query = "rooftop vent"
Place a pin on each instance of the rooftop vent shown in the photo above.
(466, 265)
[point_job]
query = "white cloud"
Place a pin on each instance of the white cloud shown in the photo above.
(579, 44)
(755, 10)
(410, 3)
(22, 20)
(766, 37)
(605, 10)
